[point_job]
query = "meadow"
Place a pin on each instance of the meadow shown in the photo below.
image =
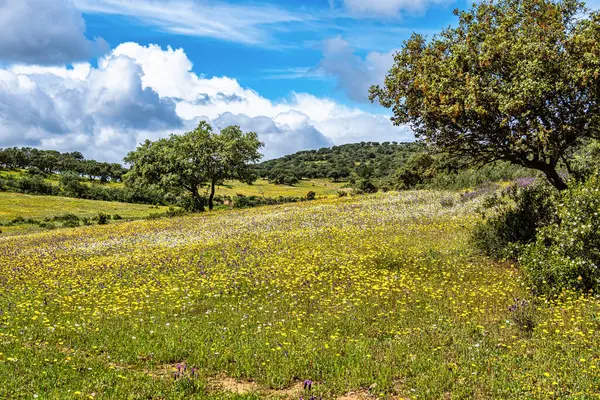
(363, 297)
(14, 205)
(262, 187)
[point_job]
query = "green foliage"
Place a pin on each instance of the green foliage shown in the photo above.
(35, 185)
(366, 186)
(311, 195)
(566, 254)
(419, 169)
(586, 162)
(102, 218)
(186, 163)
(340, 162)
(48, 161)
(70, 183)
(514, 217)
(514, 80)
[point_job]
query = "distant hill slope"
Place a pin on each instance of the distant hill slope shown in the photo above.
(340, 162)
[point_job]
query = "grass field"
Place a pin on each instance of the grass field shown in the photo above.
(14, 205)
(261, 187)
(367, 297)
(322, 187)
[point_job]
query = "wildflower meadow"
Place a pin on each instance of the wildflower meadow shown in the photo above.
(378, 296)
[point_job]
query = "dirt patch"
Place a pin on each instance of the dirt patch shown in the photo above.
(360, 395)
(232, 385)
(293, 392)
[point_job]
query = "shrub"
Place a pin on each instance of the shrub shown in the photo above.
(311, 195)
(447, 202)
(71, 185)
(103, 218)
(523, 315)
(66, 217)
(512, 218)
(175, 212)
(116, 217)
(342, 193)
(366, 186)
(70, 223)
(35, 185)
(566, 254)
(34, 171)
(290, 180)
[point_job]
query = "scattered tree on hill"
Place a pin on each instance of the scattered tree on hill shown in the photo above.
(194, 160)
(516, 80)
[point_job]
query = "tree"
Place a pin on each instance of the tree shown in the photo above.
(516, 80)
(194, 160)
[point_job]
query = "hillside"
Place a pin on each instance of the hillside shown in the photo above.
(17, 206)
(340, 162)
(365, 297)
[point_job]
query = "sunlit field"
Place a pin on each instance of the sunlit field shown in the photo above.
(13, 205)
(262, 187)
(322, 187)
(368, 297)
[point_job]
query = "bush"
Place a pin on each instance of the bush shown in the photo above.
(70, 223)
(447, 202)
(566, 254)
(71, 185)
(103, 218)
(35, 185)
(366, 186)
(290, 180)
(342, 193)
(116, 217)
(512, 218)
(311, 195)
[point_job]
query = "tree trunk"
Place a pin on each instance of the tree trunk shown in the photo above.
(211, 196)
(555, 179)
(198, 203)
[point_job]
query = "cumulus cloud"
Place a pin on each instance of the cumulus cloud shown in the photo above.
(44, 32)
(145, 92)
(354, 74)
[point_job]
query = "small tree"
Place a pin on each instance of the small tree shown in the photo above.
(195, 159)
(516, 80)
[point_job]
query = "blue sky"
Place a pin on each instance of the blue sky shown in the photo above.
(283, 57)
(101, 76)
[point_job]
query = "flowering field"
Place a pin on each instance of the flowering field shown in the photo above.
(351, 298)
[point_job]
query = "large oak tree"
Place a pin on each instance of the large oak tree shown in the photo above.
(195, 160)
(515, 80)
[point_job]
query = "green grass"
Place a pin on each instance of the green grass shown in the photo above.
(368, 297)
(322, 187)
(262, 187)
(13, 205)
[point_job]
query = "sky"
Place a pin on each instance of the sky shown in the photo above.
(102, 76)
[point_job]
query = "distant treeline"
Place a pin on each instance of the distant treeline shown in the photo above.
(339, 162)
(372, 166)
(52, 161)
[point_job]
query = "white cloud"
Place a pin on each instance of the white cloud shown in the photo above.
(44, 32)
(142, 92)
(389, 8)
(241, 23)
(354, 74)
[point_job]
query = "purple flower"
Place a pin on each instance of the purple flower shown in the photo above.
(525, 182)
(308, 384)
